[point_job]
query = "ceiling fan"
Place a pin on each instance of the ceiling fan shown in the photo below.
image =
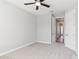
(38, 3)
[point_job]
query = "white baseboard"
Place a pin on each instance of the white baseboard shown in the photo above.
(12, 50)
(43, 42)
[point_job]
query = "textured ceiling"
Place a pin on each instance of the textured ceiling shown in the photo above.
(58, 6)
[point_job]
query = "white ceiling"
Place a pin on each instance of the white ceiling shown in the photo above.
(58, 6)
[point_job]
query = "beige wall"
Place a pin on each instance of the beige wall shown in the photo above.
(17, 27)
(44, 28)
(70, 29)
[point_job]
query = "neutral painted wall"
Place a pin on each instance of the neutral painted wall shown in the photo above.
(53, 29)
(44, 28)
(17, 27)
(70, 29)
(76, 17)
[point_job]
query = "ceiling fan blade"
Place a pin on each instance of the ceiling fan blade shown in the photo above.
(29, 3)
(45, 5)
(35, 0)
(41, 0)
(37, 7)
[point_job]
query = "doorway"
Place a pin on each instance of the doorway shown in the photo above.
(60, 30)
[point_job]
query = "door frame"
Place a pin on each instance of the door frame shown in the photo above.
(56, 29)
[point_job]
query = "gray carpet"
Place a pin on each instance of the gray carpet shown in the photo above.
(42, 51)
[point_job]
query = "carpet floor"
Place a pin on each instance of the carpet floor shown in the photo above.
(42, 51)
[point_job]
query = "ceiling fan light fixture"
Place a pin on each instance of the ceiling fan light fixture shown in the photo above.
(37, 3)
